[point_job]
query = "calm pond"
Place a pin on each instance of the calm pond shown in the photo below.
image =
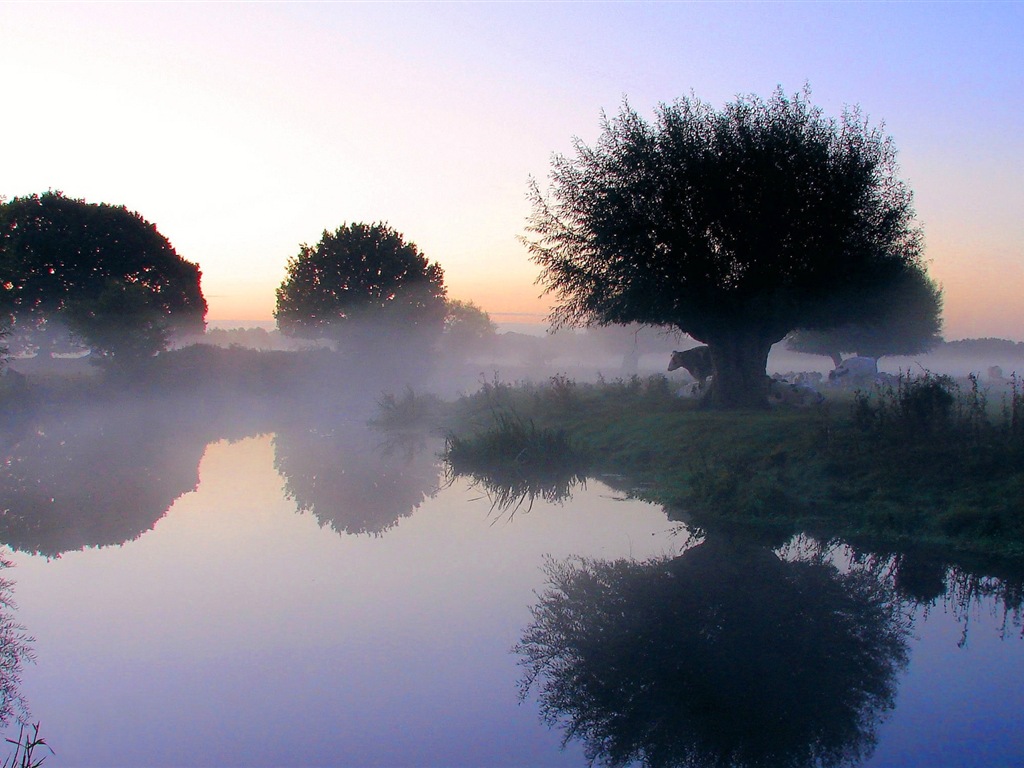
(319, 597)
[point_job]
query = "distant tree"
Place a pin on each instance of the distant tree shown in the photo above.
(984, 347)
(734, 226)
(467, 328)
(909, 322)
(630, 341)
(360, 284)
(56, 251)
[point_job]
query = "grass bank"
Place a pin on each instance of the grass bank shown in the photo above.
(924, 462)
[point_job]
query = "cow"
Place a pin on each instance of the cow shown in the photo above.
(883, 379)
(810, 378)
(697, 362)
(781, 392)
(854, 371)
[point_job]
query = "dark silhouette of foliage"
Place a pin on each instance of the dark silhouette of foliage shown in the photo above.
(363, 286)
(724, 656)
(734, 226)
(985, 347)
(909, 323)
(120, 324)
(15, 651)
(108, 263)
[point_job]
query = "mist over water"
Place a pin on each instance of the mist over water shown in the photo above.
(225, 552)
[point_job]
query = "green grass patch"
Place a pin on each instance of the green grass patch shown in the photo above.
(923, 461)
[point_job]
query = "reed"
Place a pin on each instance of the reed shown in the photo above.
(25, 747)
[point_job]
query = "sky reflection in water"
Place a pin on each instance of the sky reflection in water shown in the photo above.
(240, 632)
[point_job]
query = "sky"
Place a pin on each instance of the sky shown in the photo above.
(244, 129)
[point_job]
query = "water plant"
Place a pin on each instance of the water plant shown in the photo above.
(516, 461)
(25, 746)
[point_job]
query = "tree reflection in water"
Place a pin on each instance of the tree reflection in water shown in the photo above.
(962, 587)
(95, 477)
(352, 478)
(726, 655)
(509, 490)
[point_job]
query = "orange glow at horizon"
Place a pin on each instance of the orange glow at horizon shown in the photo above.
(504, 303)
(976, 307)
(243, 130)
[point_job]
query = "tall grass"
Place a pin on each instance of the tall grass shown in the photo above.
(408, 410)
(560, 400)
(928, 454)
(934, 410)
(25, 746)
(516, 462)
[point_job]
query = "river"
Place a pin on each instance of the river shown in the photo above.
(271, 600)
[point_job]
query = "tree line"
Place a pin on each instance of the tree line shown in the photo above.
(75, 274)
(763, 221)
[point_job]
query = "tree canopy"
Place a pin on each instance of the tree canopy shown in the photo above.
(58, 252)
(362, 279)
(908, 323)
(735, 226)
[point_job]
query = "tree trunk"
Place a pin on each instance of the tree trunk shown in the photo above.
(740, 361)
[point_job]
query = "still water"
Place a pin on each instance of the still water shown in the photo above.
(268, 609)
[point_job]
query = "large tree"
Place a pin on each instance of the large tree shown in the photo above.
(57, 252)
(909, 323)
(735, 226)
(361, 284)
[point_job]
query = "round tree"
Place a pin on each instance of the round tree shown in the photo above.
(61, 258)
(909, 323)
(735, 226)
(359, 282)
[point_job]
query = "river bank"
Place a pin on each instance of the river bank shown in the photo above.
(926, 462)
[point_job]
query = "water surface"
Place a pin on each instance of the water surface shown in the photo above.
(282, 611)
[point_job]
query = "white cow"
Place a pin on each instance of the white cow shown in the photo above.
(854, 371)
(781, 392)
(883, 379)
